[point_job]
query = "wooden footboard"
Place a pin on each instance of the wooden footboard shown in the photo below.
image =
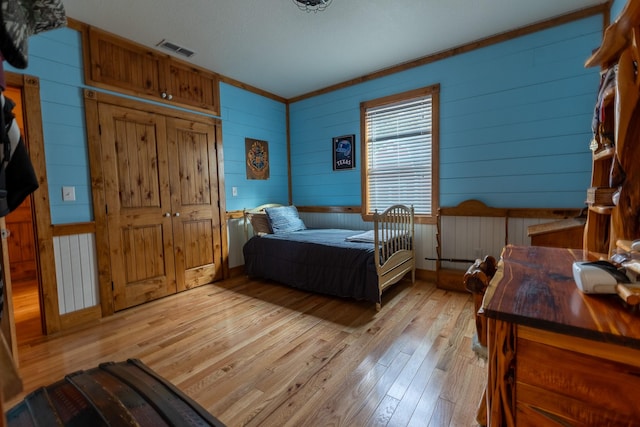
(394, 235)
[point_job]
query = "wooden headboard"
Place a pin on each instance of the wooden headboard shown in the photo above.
(247, 213)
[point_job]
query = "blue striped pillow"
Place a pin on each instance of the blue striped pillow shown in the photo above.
(284, 219)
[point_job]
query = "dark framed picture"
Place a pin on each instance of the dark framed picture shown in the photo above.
(257, 153)
(344, 152)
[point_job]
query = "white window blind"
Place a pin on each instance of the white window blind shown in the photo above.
(399, 155)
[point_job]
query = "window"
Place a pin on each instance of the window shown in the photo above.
(400, 152)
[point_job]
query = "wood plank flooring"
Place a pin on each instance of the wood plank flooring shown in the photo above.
(26, 310)
(261, 354)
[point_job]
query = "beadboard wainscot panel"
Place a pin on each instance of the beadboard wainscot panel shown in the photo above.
(236, 239)
(426, 242)
(517, 232)
(470, 237)
(425, 234)
(474, 237)
(346, 221)
(467, 238)
(76, 272)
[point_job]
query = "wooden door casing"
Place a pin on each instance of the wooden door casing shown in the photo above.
(21, 241)
(42, 230)
(194, 194)
(22, 252)
(138, 204)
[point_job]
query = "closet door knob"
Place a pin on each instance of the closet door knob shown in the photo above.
(167, 214)
(169, 97)
(163, 95)
(176, 214)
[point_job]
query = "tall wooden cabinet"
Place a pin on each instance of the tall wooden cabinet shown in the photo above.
(155, 171)
(614, 198)
(117, 63)
(157, 198)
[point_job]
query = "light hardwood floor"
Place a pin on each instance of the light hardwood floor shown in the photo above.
(262, 354)
(26, 310)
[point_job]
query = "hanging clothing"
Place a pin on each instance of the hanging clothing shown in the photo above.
(3, 85)
(20, 19)
(17, 176)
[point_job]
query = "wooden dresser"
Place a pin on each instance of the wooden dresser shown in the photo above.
(558, 357)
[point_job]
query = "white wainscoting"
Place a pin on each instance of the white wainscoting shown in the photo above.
(462, 237)
(518, 234)
(426, 246)
(425, 235)
(472, 237)
(76, 272)
(346, 221)
(235, 241)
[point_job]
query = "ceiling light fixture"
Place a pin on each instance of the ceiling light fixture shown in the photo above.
(312, 5)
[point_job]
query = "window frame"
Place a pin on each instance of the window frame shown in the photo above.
(434, 92)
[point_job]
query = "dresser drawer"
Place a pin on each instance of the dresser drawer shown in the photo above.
(568, 387)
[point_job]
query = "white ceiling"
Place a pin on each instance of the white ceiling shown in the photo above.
(272, 45)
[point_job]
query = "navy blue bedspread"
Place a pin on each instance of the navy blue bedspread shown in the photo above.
(317, 260)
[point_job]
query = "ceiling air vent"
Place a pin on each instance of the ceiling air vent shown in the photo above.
(176, 49)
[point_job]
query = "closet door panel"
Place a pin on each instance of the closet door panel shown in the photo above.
(138, 207)
(188, 85)
(194, 190)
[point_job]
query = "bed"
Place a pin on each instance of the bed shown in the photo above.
(336, 262)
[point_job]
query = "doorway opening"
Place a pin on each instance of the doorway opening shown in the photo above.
(22, 248)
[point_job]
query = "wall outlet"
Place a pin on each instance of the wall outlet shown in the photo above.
(234, 191)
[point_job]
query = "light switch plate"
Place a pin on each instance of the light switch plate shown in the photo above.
(68, 194)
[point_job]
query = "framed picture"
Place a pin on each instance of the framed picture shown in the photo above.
(344, 152)
(257, 152)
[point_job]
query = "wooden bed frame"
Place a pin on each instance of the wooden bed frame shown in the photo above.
(396, 256)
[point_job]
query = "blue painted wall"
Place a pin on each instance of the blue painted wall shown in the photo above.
(247, 115)
(515, 120)
(55, 57)
(616, 8)
(514, 129)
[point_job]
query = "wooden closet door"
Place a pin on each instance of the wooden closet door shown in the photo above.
(194, 193)
(134, 160)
